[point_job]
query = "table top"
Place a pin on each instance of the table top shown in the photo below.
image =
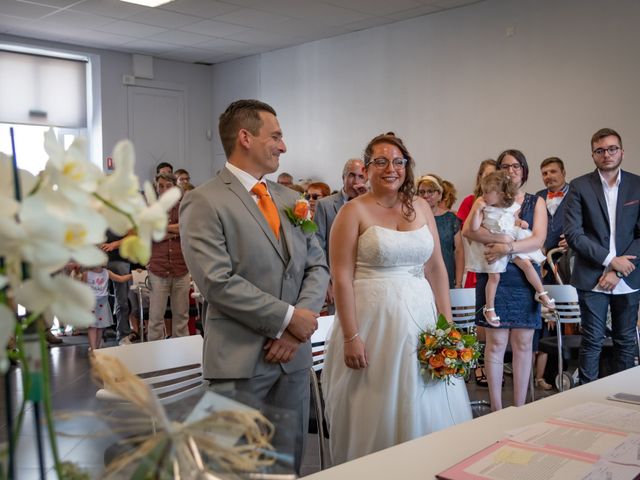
(424, 457)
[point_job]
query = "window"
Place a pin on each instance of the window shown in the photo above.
(42, 87)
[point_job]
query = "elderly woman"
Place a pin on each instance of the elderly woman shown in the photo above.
(316, 191)
(430, 187)
(515, 305)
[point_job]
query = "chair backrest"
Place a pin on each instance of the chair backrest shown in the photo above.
(567, 308)
(319, 340)
(172, 367)
(463, 307)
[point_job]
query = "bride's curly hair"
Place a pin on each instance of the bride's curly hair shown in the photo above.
(408, 189)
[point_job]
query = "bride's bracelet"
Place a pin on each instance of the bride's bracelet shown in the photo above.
(352, 338)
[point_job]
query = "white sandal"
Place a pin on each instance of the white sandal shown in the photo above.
(550, 305)
(492, 320)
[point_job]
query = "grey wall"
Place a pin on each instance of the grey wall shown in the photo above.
(456, 86)
(196, 80)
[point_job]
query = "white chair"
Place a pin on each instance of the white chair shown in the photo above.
(567, 311)
(318, 347)
(463, 314)
(172, 367)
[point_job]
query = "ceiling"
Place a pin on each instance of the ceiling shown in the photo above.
(207, 31)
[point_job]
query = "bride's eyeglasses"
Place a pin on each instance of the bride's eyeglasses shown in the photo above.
(381, 163)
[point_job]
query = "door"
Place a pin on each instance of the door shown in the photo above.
(156, 127)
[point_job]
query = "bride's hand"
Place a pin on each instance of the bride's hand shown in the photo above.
(355, 355)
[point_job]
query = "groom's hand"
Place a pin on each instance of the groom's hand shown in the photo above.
(281, 350)
(303, 323)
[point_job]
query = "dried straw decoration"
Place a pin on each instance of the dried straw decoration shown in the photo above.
(176, 450)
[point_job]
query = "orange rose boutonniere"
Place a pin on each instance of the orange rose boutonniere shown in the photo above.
(300, 216)
(445, 352)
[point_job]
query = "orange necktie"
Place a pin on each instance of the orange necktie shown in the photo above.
(267, 207)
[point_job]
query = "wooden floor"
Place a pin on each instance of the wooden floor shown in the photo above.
(74, 391)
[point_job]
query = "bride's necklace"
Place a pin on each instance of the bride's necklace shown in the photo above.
(387, 206)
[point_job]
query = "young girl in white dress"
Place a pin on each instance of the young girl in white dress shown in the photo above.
(497, 211)
(98, 279)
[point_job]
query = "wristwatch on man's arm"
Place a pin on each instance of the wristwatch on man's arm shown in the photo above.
(619, 274)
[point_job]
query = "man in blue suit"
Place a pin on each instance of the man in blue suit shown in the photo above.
(602, 225)
(555, 179)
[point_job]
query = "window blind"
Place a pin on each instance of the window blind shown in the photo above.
(42, 90)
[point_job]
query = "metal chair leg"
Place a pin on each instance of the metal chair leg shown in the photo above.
(317, 401)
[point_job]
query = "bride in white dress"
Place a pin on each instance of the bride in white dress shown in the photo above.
(383, 245)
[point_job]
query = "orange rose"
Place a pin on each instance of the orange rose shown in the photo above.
(301, 209)
(430, 341)
(450, 353)
(455, 334)
(423, 354)
(436, 361)
(466, 355)
(449, 370)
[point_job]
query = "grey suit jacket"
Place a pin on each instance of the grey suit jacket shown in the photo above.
(243, 273)
(326, 211)
(586, 227)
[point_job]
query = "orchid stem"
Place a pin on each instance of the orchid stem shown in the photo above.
(115, 208)
(48, 407)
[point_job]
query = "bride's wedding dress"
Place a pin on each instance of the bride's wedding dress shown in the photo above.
(388, 402)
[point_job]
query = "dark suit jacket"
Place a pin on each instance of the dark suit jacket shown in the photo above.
(555, 222)
(586, 227)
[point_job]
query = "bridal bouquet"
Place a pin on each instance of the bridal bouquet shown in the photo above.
(445, 352)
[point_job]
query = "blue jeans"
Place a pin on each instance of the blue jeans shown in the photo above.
(593, 313)
(121, 291)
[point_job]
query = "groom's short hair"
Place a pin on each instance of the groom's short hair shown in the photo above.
(241, 114)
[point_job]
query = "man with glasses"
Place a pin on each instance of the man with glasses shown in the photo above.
(354, 179)
(602, 225)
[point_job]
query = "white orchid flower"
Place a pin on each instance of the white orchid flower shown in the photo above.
(40, 243)
(121, 189)
(71, 301)
(152, 221)
(51, 230)
(7, 327)
(70, 170)
(84, 229)
(8, 203)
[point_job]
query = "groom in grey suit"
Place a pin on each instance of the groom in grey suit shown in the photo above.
(602, 226)
(264, 281)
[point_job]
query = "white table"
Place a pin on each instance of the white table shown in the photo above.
(424, 457)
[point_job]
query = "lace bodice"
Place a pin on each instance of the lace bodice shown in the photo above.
(381, 248)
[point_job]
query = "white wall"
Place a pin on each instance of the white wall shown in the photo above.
(456, 87)
(196, 80)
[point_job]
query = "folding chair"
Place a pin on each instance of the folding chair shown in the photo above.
(140, 285)
(463, 313)
(172, 367)
(318, 348)
(567, 311)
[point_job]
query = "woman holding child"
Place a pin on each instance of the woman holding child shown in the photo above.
(517, 306)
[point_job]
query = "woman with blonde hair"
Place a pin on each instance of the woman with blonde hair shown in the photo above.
(431, 188)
